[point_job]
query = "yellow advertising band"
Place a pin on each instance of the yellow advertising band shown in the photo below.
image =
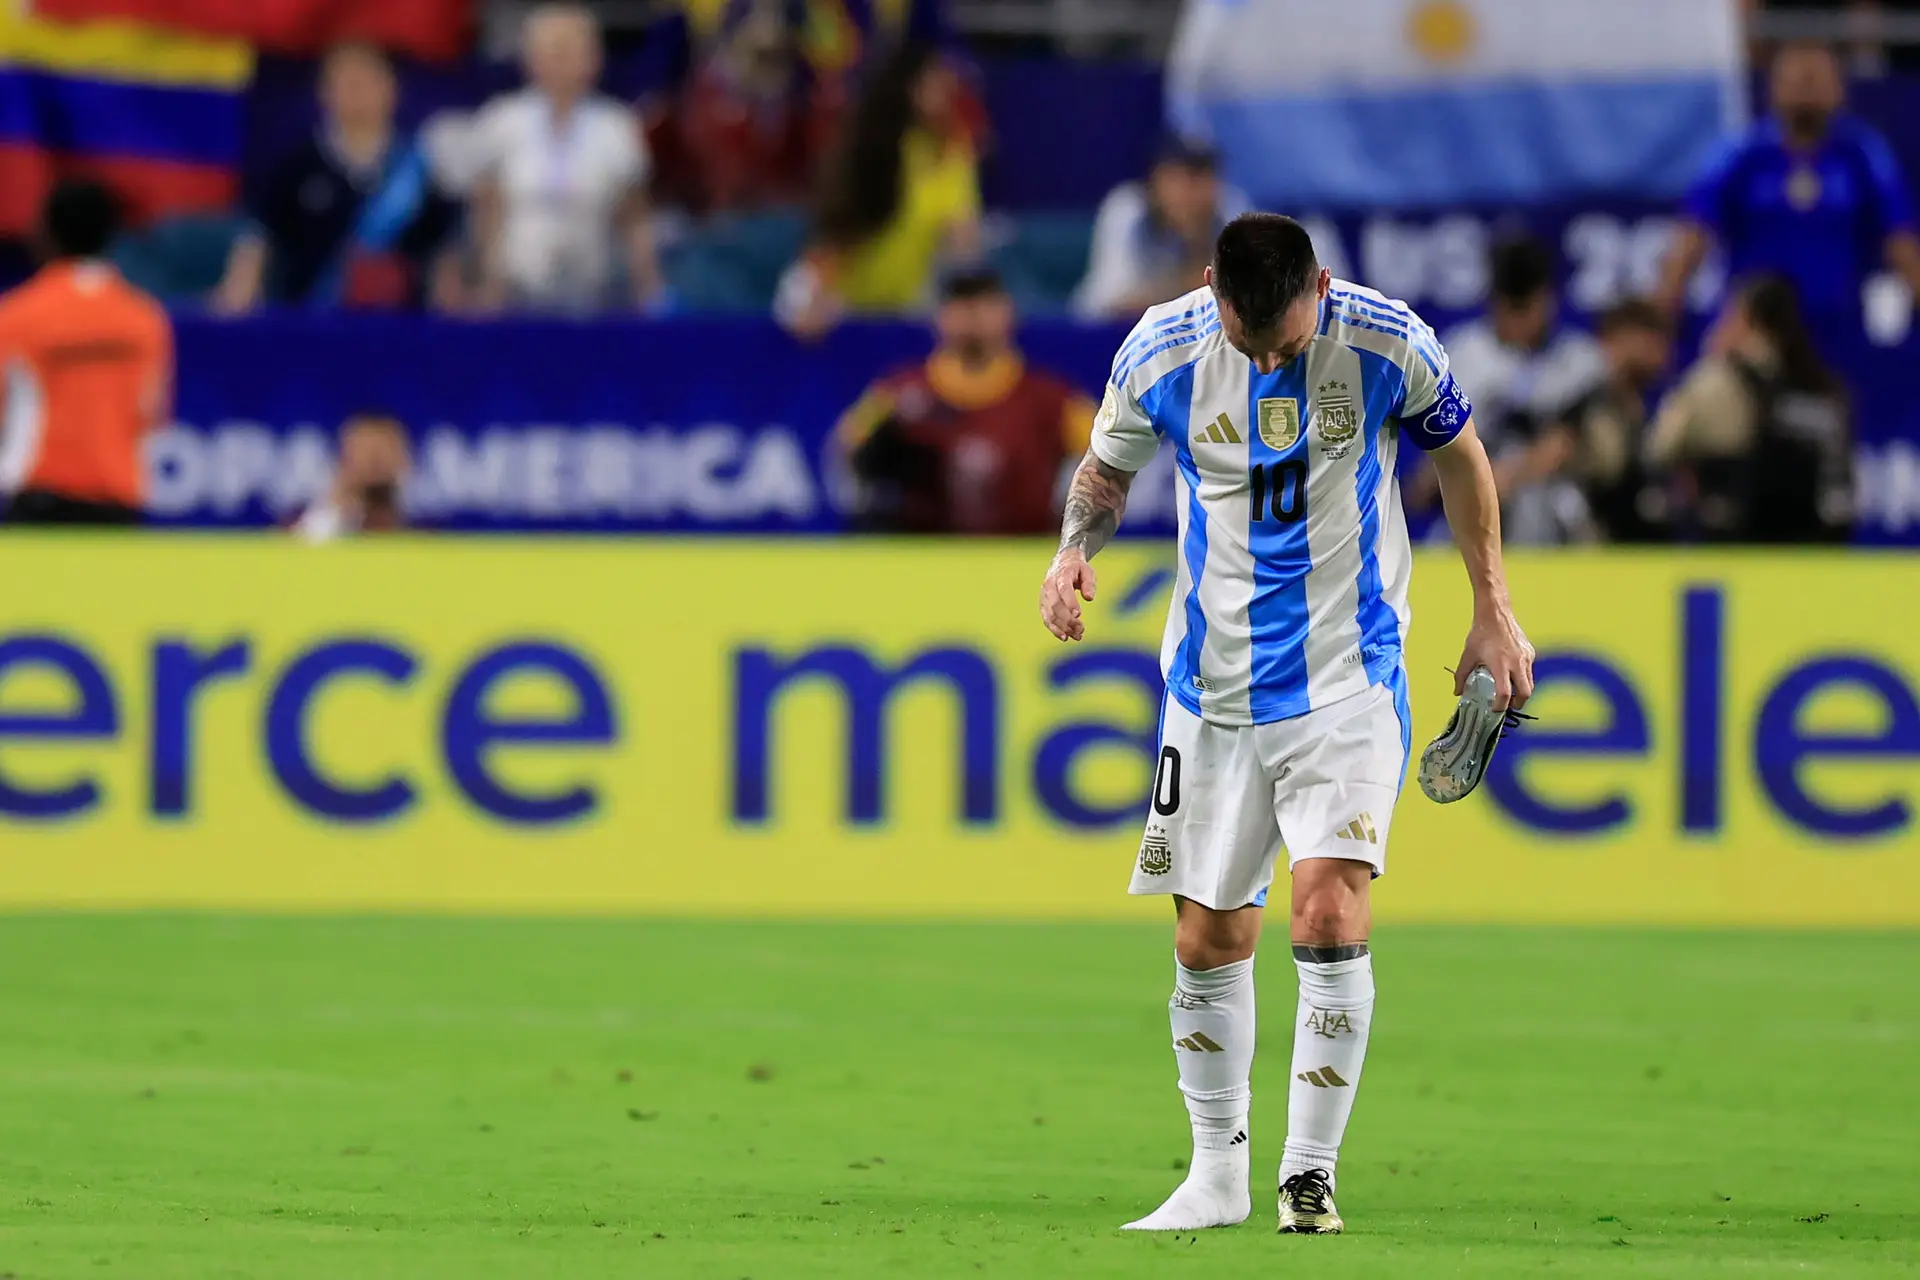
(871, 728)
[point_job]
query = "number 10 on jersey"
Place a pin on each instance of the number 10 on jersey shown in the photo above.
(1280, 491)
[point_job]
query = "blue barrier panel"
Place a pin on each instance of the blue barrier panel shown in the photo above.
(703, 424)
(696, 424)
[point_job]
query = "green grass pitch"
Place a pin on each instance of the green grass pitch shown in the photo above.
(212, 1097)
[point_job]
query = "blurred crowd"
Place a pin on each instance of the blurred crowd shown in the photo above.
(859, 175)
(555, 198)
(863, 177)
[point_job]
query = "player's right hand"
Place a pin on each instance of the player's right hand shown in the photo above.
(1069, 581)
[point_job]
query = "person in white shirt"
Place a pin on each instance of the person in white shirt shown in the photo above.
(559, 204)
(1523, 372)
(1153, 239)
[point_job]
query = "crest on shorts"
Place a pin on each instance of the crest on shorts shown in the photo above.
(1335, 418)
(1156, 853)
(1280, 422)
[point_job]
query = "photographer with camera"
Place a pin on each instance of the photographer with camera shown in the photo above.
(375, 459)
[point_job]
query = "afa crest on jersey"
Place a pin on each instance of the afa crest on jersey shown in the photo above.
(1335, 418)
(1280, 422)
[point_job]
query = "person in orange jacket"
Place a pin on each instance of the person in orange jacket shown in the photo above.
(87, 364)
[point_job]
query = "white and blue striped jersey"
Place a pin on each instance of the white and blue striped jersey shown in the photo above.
(1291, 587)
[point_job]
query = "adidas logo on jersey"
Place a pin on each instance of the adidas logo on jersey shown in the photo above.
(1219, 431)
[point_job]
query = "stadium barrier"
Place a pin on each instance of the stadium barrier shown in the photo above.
(571, 725)
(698, 424)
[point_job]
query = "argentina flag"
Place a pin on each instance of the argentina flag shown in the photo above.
(1411, 103)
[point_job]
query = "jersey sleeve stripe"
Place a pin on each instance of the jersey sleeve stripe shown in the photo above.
(1134, 352)
(1385, 312)
(1391, 319)
(1145, 335)
(1381, 310)
(1362, 320)
(1429, 349)
(1423, 332)
(1122, 377)
(1357, 322)
(1422, 339)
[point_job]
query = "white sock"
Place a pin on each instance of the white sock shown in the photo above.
(1329, 1048)
(1212, 1016)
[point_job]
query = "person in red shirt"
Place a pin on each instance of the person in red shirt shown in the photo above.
(755, 119)
(972, 440)
(87, 361)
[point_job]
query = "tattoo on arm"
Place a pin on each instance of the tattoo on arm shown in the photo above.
(1095, 501)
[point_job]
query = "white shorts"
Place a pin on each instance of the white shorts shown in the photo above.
(1227, 798)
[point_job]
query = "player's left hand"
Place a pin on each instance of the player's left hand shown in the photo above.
(1497, 643)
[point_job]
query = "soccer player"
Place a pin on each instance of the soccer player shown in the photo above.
(1285, 394)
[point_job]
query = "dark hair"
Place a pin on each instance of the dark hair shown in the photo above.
(1186, 153)
(1519, 269)
(1771, 305)
(1262, 264)
(1634, 313)
(862, 188)
(977, 280)
(80, 219)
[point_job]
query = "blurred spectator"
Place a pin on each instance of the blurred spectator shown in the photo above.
(1757, 439)
(560, 205)
(352, 216)
(755, 119)
(1580, 478)
(1153, 239)
(88, 363)
(375, 460)
(1811, 193)
(1521, 368)
(973, 440)
(902, 193)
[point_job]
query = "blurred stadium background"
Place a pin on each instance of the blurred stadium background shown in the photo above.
(565, 778)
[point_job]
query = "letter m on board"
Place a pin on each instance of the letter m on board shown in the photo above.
(867, 690)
